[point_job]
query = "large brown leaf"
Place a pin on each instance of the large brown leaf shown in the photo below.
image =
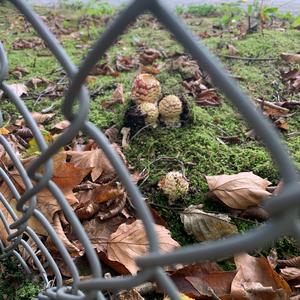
(240, 190)
(206, 226)
(66, 176)
(96, 160)
(130, 241)
(291, 58)
(256, 280)
(202, 280)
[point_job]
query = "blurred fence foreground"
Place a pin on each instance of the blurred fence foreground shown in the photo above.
(282, 208)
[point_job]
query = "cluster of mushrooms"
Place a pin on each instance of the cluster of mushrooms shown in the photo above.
(146, 94)
(149, 104)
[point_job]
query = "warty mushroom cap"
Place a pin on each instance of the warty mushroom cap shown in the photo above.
(145, 88)
(170, 109)
(174, 185)
(150, 110)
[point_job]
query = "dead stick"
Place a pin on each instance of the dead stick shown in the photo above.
(248, 58)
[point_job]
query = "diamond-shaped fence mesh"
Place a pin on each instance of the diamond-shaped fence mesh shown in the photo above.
(283, 208)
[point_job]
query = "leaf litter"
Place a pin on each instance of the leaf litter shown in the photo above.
(91, 186)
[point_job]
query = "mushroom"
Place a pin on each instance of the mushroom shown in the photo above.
(146, 88)
(150, 113)
(174, 185)
(170, 109)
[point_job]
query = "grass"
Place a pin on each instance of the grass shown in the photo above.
(195, 146)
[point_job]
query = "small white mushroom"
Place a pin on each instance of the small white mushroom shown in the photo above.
(145, 88)
(150, 113)
(174, 185)
(170, 109)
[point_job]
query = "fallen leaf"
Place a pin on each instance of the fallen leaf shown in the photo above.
(117, 97)
(125, 63)
(255, 212)
(42, 118)
(240, 190)
(214, 285)
(206, 226)
(282, 124)
(201, 279)
(104, 69)
(208, 98)
(19, 72)
(99, 231)
(291, 58)
(96, 160)
(62, 125)
(148, 69)
(130, 241)
(66, 176)
(4, 131)
(232, 50)
(149, 55)
(37, 81)
(290, 273)
(19, 89)
(256, 280)
(271, 109)
(31, 43)
(291, 262)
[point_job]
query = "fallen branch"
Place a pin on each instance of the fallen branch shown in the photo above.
(248, 58)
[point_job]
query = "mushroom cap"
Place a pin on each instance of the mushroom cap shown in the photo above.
(174, 185)
(145, 88)
(170, 107)
(150, 110)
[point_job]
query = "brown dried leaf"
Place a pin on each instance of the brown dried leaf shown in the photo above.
(117, 97)
(149, 55)
(96, 160)
(256, 280)
(31, 43)
(232, 50)
(199, 280)
(290, 273)
(214, 285)
(255, 212)
(291, 58)
(148, 70)
(240, 190)
(130, 241)
(291, 262)
(206, 226)
(60, 232)
(271, 109)
(20, 89)
(125, 63)
(37, 81)
(99, 231)
(62, 125)
(104, 69)
(208, 98)
(42, 118)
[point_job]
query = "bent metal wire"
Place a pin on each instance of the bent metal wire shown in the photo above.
(282, 208)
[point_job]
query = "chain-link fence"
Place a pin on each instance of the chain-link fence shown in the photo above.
(282, 208)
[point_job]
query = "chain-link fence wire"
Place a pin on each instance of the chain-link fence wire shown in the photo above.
(283, 208)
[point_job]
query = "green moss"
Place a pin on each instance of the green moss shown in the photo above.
(14, 285)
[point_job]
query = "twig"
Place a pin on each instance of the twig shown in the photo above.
(248, 58)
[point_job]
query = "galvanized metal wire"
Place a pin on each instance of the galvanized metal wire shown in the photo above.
(283, 208)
